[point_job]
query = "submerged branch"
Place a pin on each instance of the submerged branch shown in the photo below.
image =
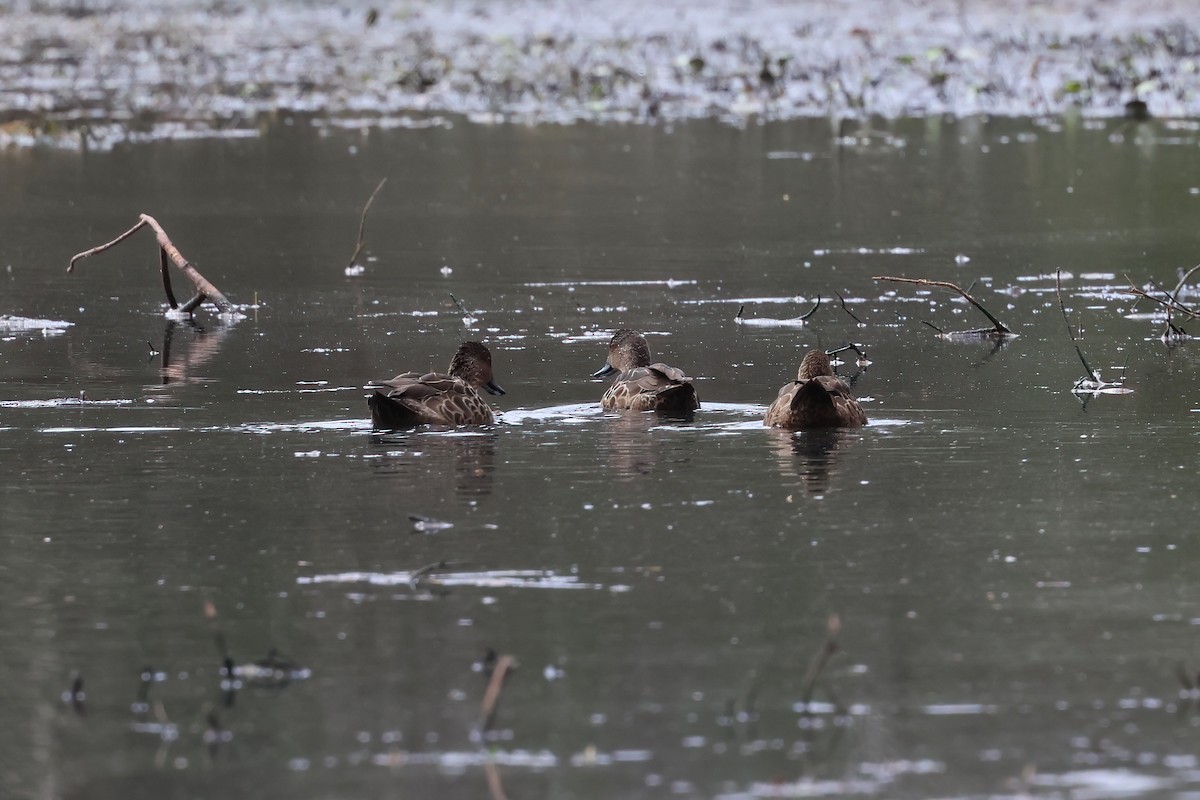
(167, 250)
(998, 328)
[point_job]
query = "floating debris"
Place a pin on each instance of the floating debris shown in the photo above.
(428, 524)
(49, 327)
(769, 322)
(273, 671)
(491, 579)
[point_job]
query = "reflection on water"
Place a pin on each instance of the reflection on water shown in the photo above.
(468, 457)
(811, 456)
(1012, 570)
(203, 346)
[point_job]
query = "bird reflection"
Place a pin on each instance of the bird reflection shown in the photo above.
(811, 456)
(204, 346)
(634, 451)
(471, 457)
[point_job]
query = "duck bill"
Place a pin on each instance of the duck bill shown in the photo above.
(493, 388)
(607, 369)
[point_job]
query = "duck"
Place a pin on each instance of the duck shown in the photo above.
(435, 398)
(816, 399)
(640, 385)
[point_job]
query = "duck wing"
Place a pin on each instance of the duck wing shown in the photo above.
(660, 387)
(433, 398)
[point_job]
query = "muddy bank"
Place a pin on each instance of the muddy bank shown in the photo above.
(114, 70)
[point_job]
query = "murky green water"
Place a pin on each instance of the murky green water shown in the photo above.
(1011, 564)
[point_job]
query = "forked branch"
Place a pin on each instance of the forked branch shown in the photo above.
(998, 329)
(167, 250)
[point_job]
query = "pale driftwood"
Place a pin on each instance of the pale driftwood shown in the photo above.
(167, 250)
(998, 329)
(362, 225)
(491, 697)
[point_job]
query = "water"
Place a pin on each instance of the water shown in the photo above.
(1009, 561)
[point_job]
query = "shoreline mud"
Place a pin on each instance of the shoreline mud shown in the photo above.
(91, 74)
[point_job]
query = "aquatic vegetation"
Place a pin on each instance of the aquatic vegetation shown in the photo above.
(142, 72)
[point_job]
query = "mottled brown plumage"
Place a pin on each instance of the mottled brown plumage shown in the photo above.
(816, 399)
(640, 385)
(435, 398)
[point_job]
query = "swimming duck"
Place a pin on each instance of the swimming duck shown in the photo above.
(640, 385)
(436, 399)
(816, 399)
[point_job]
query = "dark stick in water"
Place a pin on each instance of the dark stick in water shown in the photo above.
(1087, 368)
(847, 309)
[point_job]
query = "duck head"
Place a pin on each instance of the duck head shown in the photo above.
(472, 363)
(626, 350)
(815, 364)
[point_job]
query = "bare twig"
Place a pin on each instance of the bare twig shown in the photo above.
(847, 309)
(844, 348)
(362, 225)
(1170, 303)
(998, 328)
(204, 289)
(466, 314)
(1183, 282)
(1091, 373)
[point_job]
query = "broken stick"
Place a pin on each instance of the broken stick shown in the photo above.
(167, 250)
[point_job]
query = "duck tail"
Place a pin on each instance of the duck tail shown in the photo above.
(390, 414)
(813, 406)
(680, 399)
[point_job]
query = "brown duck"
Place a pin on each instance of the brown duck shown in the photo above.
(436, 399)
(816, 399)
(640, 385)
